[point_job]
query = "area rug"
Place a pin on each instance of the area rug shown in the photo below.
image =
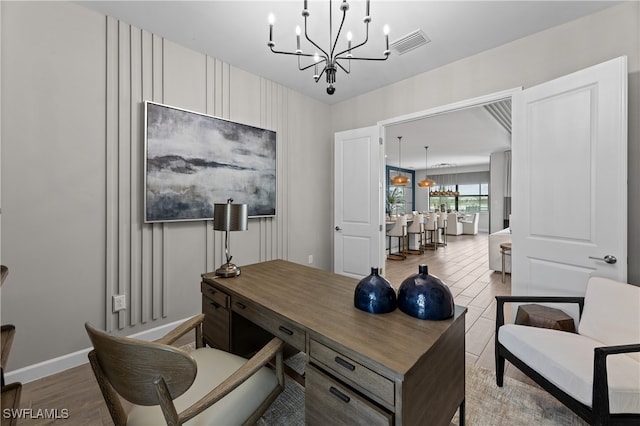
(516, 403)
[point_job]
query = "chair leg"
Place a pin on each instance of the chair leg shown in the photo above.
(499, 370)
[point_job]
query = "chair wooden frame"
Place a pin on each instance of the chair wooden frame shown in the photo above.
(598, 413)
(169, 373)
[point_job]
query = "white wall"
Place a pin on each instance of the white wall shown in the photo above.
(71, 172)
(525, 62)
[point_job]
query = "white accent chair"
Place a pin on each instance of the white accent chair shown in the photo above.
(454, 227)
(594, 372)
(399, 231)
(470, 227)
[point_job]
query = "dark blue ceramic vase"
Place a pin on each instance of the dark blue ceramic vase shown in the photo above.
(425, 296)
(374, 294)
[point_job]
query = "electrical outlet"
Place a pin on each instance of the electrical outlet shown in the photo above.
(119, 302)
(310, 259)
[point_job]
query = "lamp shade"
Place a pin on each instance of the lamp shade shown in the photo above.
(230, 217)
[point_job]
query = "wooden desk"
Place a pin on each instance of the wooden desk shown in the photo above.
(362, 368)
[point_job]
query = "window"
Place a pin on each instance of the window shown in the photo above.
(472, 198)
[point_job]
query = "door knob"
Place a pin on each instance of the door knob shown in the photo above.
(338, 228)
(610, 259)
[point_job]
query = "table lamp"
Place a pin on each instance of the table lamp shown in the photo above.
(229, 217)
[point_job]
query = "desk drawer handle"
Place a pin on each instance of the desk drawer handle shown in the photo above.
(285, 330)
(339, 394)
(345, 364)
(215, 305)
(241, 305)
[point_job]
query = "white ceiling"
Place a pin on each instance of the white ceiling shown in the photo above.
(237, 33)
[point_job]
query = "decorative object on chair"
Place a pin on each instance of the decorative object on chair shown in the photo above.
(400, 179)
(374, 294)
(329, 59)
(229, 217)
(426, 182)
(425, 296)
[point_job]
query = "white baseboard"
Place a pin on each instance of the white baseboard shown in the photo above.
(56, 365)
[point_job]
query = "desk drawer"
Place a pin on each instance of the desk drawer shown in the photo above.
(283, 329)
(327, 402)
(216, 324)
(371, 382)
(214, 294)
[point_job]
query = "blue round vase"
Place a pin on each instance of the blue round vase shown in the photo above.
(425, 297)
(374, 294)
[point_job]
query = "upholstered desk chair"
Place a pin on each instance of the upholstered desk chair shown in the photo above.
(417, 228)
(399, 231)
(168, 385)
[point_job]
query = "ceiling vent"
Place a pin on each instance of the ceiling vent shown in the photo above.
(409, 42)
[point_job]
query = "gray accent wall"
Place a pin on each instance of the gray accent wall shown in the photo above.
(73, 83)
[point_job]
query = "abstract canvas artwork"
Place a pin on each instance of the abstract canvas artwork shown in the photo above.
(193, 161)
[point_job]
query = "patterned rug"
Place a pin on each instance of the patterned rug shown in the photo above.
(516, 403)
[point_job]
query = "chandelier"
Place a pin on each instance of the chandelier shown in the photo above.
(426, 182)
(328, 59)
(400, 179)
(448, 188)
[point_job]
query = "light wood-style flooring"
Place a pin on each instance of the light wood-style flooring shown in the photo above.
(462, 265)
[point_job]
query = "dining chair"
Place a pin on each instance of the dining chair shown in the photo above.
(399, 231)
(168, 385)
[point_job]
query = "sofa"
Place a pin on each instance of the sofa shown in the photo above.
(594, 372)
(495, 257)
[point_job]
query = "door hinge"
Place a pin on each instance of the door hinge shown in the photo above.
(380, 228)
(380, 140)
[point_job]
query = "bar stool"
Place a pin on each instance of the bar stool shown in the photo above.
(416, 228)
(399, 230)
(442, 225)
(431, 229)
(505, 250)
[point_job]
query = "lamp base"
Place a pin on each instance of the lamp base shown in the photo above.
(228, 270)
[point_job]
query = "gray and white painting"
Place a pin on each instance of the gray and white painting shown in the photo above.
(194, 161)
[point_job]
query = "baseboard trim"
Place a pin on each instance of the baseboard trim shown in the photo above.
(56, 365)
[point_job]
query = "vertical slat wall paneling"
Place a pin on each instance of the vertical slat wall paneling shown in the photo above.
(212, 91)
(283, 162)
(146, 71)
(277, 243)
(124, 167)
(135, 299)
(158, 228)
(111, 136)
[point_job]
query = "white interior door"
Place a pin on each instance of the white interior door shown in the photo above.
(358, 202)
(570, 181)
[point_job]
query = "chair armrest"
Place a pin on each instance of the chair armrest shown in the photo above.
(259, 360)
(182, 329)
(501, 300)
(600, 402)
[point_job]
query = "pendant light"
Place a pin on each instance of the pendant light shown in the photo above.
(426, 182)
(400, 179)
